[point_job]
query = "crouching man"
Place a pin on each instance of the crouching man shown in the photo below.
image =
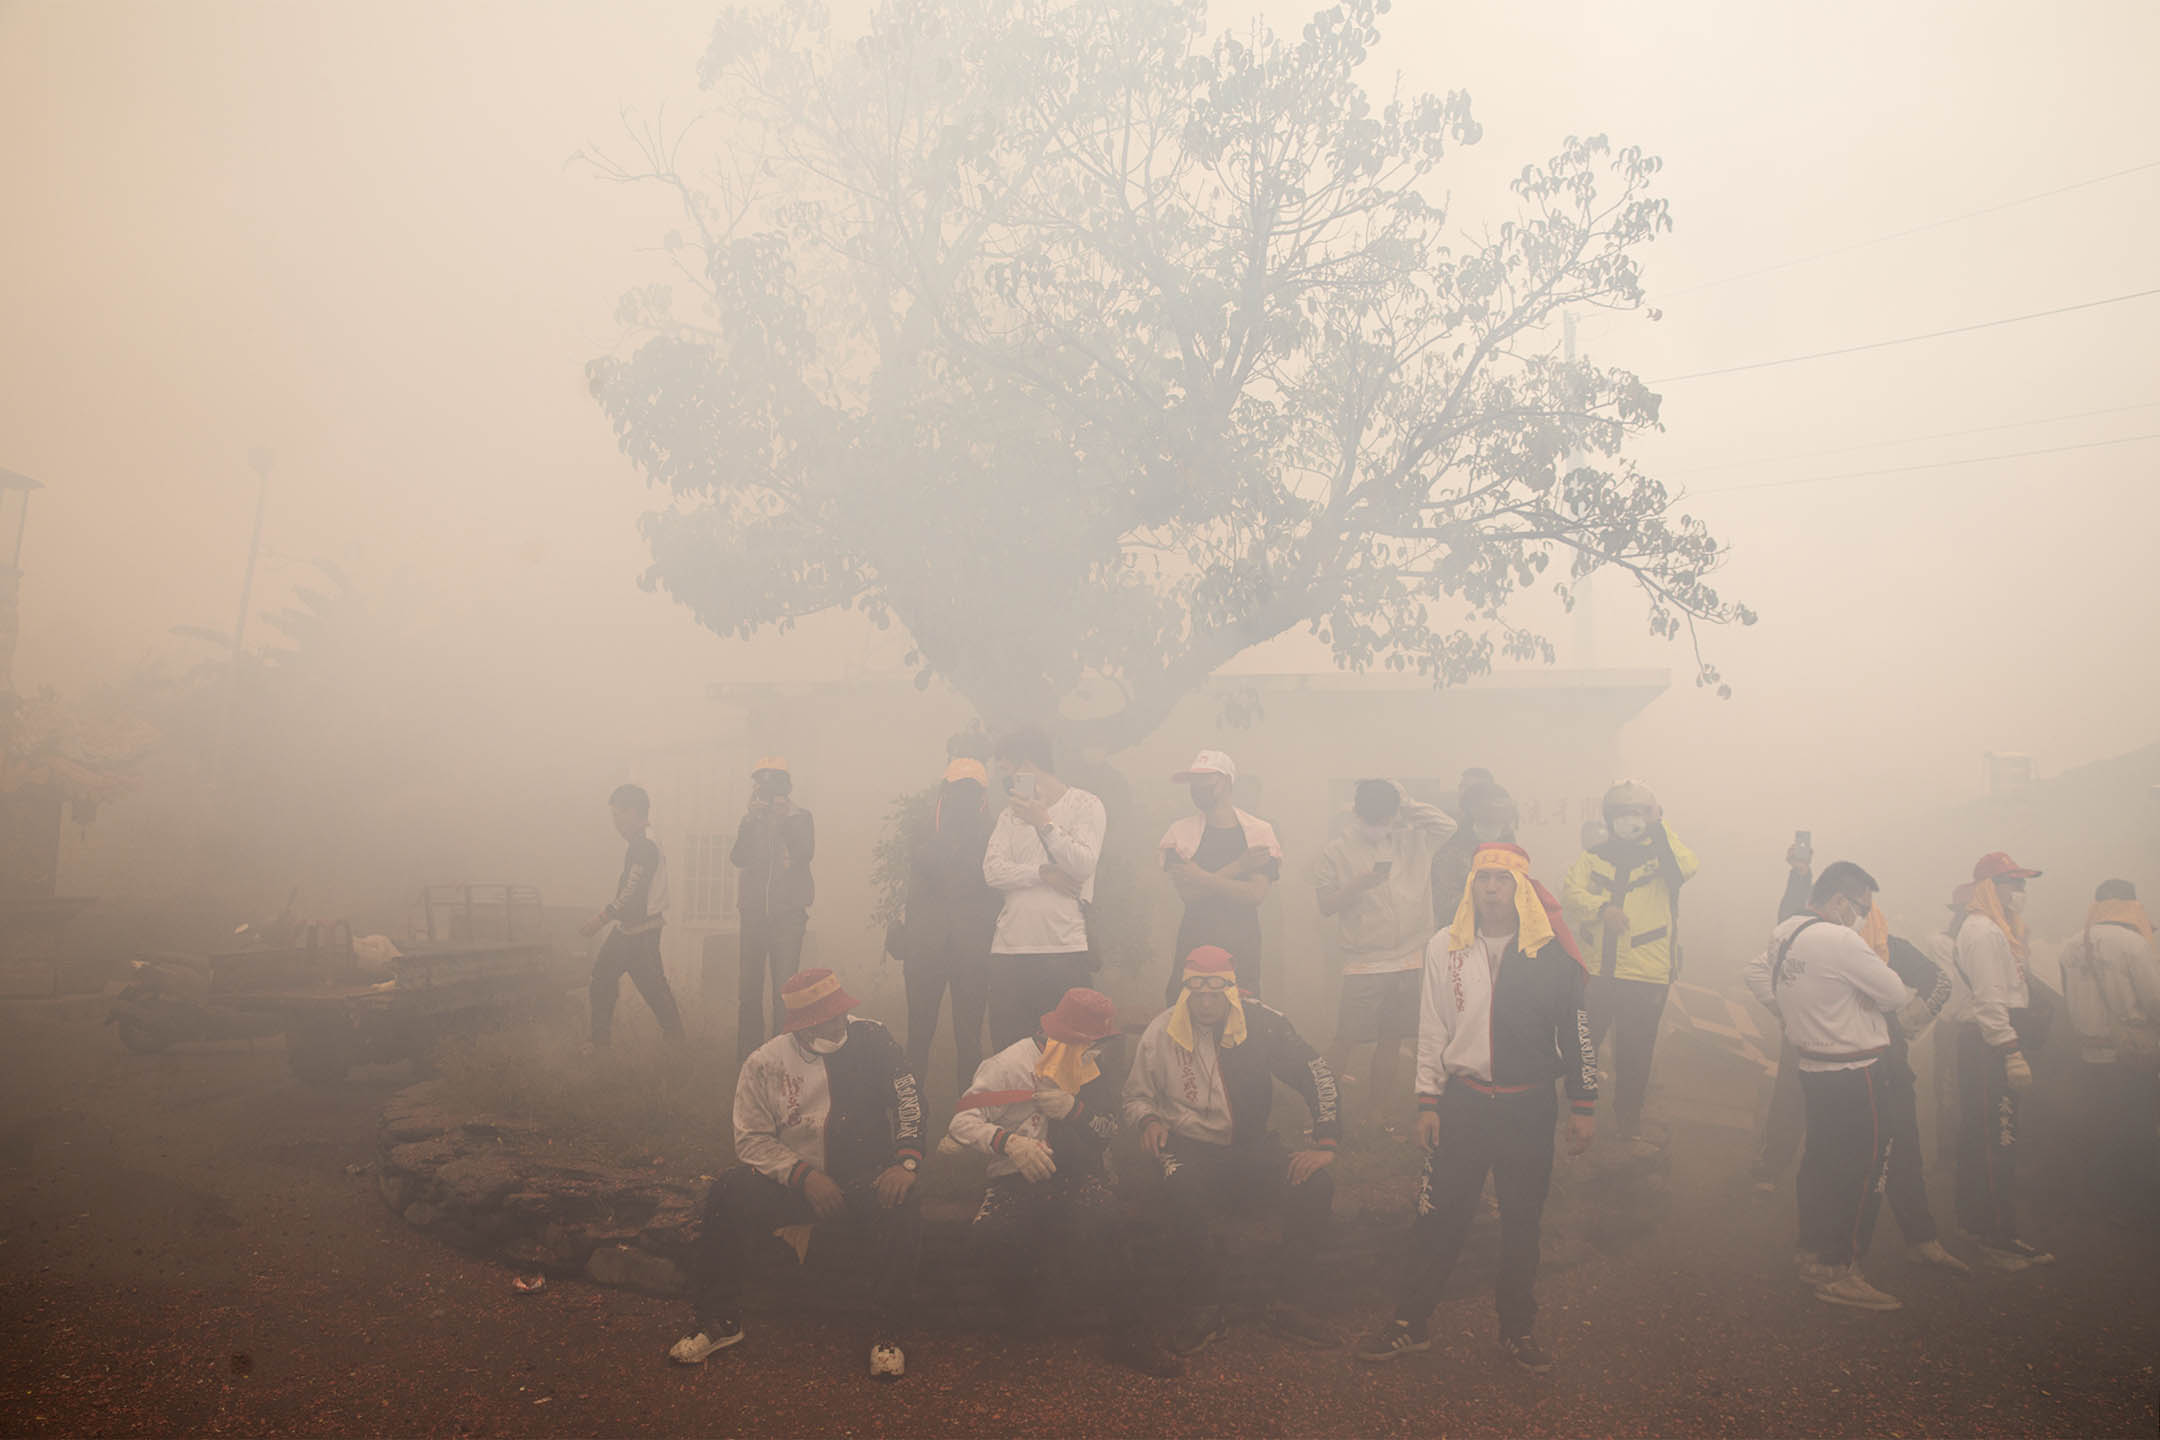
(1201, 1085)
(1503, 1016)
(828, 1130)
(1044, 1113)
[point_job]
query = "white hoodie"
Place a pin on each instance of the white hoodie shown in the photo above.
(1832, 991)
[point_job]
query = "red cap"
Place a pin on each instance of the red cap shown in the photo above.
(812, 998)
(1995, 865)
(1082, 1017)
(1210, 960)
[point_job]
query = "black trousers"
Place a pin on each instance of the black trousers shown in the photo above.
(637, 956)
(1987, 1141)
(1841, 1171)
(1631, 1009)
(1024, 1225)
(1897, 1103)
(1202, 1181)
(2115, 1108)
(771, 945)
(744, 1206)
(1024, 988)
(967, 974)
(1510, 1136)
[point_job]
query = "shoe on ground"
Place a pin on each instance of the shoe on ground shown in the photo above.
(2033, 1254)
(1999, 1257)
(1392, 1341)
(1812, 1271)
(1931, 1252)
(886, 1360)
(1295, 1322)
(1199, 1331)
(715, 1335)
(1526, 1353)
(1143, 1352)
(1851, 1288)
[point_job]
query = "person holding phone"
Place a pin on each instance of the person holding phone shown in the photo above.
(1222, 862)
(1375, 879)
(1041, 858)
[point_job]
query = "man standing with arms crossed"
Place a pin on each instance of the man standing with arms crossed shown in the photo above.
(1042, 857)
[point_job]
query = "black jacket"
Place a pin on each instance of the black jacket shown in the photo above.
(951, 909)
(774, 857)
(876, 1116)
(1273, 1050)
(1541, 1024)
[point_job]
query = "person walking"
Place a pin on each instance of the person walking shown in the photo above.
(639, 913)
(774, 845)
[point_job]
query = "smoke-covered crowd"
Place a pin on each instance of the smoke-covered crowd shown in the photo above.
(1506, 990)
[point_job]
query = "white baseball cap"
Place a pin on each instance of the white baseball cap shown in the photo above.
(1208, 762)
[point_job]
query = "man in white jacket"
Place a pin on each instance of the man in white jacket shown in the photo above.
(1833, 993)
(1042, 857)
(1044, 1111)
(2111, 989)
(1989, 951)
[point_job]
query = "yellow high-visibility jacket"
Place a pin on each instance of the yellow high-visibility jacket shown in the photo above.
(1645, 951)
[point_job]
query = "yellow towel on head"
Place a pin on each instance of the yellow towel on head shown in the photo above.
(1066, 1065)
(1876, 931)
(2119, 912)
(1534, 926)
(1208, 960)
(1986, 902)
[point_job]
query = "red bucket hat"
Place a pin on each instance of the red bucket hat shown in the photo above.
(812, 998)
(1995, 865)
(1082, 1017)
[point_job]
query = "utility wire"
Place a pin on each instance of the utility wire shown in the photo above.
(1904, 440)
(1930, 465)
(1914, 229)
(1903, 339)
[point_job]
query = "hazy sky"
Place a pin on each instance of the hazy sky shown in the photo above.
(349, 232)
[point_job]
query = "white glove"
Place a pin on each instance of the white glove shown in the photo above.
(1055, 1103)
(949, 1146)
(1032, 1156)
(1914, 1017)
(2016, 1073)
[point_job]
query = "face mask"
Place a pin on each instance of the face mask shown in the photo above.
(827, 1047)
(2013, 902)
(1630, 827)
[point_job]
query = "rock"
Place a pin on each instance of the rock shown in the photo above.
(634, 1269)
(412, 1114)
(420, 1214)
(477, 1182)
(397, 1191)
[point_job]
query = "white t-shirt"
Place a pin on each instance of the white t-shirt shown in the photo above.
(781, 1103)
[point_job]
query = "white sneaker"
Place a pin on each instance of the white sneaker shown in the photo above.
(1931, 1252)
(886, 1361)
(692, 1349)
(1812, 1271)
(2008, 1260)
(1851, 1288)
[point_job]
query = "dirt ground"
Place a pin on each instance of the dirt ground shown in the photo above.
(183, 1249)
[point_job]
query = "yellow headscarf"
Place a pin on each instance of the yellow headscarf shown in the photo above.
(1208, 960)
(2119, 912)
(1876, 931)
(1984, 901)
(1066, 1065)
(1534, 925)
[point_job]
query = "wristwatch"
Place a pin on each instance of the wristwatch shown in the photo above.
(909, 1164)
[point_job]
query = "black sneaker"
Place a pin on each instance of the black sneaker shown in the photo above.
(1392, 1340)
(1526, 1352)
(1136, 1350)
(1294, 1322)
(1199, 1331)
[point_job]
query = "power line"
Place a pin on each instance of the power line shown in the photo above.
(1903, 339)
(1847, 249)
(1907, 439)
(1930, 465)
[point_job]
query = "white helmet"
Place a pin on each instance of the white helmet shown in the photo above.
(1628, 795)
